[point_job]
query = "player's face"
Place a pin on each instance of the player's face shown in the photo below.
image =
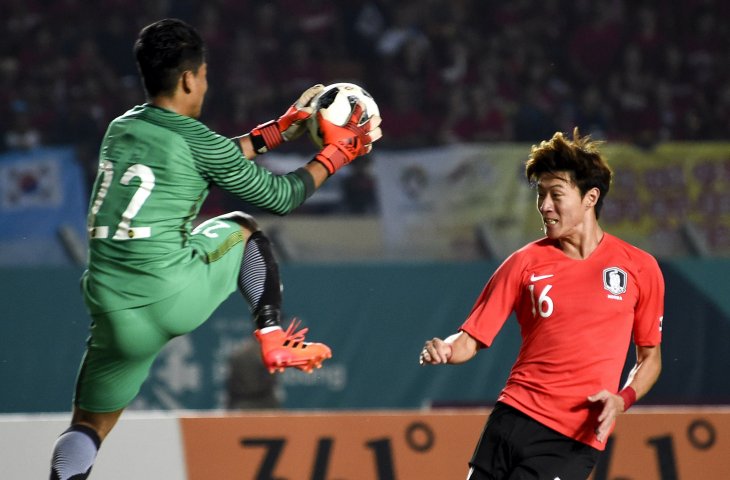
(560, 204)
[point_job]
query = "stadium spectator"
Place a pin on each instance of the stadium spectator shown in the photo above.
(359, 189)
(646, 72)
(579, 294)
(249, 385)
(21, 135)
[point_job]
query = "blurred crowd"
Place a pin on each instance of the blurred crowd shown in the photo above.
(441, 70)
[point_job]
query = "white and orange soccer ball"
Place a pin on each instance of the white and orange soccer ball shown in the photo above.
(335, 103)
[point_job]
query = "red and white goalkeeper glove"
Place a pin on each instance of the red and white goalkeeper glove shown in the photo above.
(343, 144)
(289, 126)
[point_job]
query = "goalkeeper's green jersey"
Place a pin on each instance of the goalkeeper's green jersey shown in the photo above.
(155, 170)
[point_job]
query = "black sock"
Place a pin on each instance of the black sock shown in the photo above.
(259, 281)
(74, 453)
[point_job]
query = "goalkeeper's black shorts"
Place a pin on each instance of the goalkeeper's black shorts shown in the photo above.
(513, 446)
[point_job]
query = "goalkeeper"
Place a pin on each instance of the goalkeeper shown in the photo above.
(150, 276)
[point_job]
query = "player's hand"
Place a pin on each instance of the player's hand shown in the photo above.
(343, 144)
(435, 351)
(289, 126)
(613, 405)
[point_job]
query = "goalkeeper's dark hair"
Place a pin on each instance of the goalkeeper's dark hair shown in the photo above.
(579, 157)
(164, 50)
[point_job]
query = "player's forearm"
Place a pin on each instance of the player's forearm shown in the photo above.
(318, 172)
(278, 194)
(463, 347)
(646, 372)
(246, 145)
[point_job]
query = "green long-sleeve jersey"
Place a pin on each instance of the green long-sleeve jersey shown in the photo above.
(156, 168)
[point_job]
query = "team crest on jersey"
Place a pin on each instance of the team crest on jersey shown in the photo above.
(615, 280)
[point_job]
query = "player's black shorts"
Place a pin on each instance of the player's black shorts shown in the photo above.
(513, 446)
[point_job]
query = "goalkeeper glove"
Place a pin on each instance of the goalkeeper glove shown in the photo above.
(342, 144)
(289, 126)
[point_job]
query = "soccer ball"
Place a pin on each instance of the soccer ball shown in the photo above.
(336, 103)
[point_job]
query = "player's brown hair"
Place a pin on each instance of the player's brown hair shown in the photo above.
(578, 157)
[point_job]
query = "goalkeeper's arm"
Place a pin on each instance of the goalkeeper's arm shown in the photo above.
(342, 144)
(271, 134)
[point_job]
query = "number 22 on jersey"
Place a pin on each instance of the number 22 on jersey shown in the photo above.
(124, 230)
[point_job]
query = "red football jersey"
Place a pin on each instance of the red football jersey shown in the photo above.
(576, 319)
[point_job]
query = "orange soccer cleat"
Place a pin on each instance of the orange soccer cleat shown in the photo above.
(281, 349)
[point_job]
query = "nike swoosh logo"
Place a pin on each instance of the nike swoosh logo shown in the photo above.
(535, 278)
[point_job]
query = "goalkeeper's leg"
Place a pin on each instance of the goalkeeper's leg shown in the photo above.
(260, 284)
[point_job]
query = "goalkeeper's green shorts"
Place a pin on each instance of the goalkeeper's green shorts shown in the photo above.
(123, 344)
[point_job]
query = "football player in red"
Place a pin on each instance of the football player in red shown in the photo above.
(579, 295)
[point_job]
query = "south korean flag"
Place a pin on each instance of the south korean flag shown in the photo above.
(31, 183)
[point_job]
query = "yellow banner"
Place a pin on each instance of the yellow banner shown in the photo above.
(674, 200)
(472, 201)
(454, 203)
